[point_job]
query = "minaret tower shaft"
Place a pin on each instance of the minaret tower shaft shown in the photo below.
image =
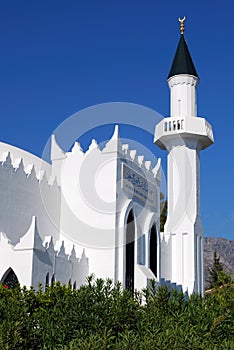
(184, 135)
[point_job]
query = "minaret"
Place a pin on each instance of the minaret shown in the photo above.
(184, 135)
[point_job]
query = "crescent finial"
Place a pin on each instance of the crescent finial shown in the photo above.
(182, 24)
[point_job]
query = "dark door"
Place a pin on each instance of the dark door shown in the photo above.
(10, 279)
(153, 250)
(130, 242)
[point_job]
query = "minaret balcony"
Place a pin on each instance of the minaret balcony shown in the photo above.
(187, 128)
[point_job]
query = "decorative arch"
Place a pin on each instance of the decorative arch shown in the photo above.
(130, 252)
(9, 279)
(153, 248)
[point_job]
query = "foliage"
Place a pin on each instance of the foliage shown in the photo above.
(218, 276)
(101, 315)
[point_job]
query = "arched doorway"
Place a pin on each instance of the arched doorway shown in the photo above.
(10, 279)
(153, 250)
(130, 251)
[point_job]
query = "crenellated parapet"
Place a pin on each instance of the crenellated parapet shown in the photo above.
(22, 166)
(140, 162)
(36, 262)
(27, 191)
(66, 266)
(114, 145)
(29, 160)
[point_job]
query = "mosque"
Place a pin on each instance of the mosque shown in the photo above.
(98, 212)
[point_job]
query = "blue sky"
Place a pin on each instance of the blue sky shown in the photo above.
(58, 57)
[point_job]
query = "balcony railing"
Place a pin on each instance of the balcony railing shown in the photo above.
(174, 125)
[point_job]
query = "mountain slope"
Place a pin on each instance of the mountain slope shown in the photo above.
(225, 249)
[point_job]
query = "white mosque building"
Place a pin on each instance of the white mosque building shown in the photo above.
(98, 212)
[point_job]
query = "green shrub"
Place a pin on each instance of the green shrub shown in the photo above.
(101, 315)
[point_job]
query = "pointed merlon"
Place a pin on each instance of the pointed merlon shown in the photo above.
(83, 254)
(20, 167)
(50, 247)
(56, 152)
(133, 154)
(3, 156)
(93, 145)
(148, 165)
(83, 258)
(157, 170)
(61, 252)
(115, 135)
(114, 144)
(16, 162)
(140, 160)
(73, 251)
(28, 169)
(77, 148)
(125, 148)
(72, 256)
(32, 174)
(8, 161)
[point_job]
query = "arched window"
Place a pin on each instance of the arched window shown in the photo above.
(129, 253)
(10, 279)
(47, 281)
(153, 250)
(53, 280)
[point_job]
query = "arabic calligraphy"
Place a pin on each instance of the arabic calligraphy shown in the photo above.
(138, 186)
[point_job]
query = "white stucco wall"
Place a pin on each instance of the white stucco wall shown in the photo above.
(85, 215)
(94, 204)
(23, 196)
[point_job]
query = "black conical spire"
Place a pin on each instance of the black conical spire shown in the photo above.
(182, 63)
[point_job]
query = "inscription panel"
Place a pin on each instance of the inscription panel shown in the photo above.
(138, 186)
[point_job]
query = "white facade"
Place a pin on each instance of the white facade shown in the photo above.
(75, 222)
(98, 212)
